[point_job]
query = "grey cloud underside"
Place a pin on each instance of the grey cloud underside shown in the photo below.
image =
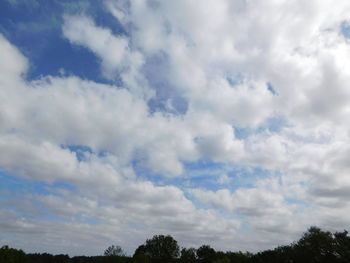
(178, 104)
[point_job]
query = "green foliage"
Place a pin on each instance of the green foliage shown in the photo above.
(141, 250)
(205, 254)
(160, 247)
(188, 255)
(239, 257)
(100, 259)
(114, 251)
(315, 246)
(342, 246)
(141, 258)
(11, 255)
(222, 260)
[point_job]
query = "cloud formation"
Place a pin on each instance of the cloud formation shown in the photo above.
(252, 95)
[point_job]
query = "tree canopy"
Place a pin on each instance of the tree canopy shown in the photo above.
(114, 251)
(314, 246)
(160, 247)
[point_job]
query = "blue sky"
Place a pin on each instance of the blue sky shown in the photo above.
(215, 123)
(35, 28)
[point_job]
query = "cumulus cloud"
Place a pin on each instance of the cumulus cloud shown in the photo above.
(250, 202)
(111, 49)
(59, 112)
(239, 67)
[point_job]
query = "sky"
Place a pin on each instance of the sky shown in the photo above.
(219, 122)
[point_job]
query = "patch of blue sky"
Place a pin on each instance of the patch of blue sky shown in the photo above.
(236, 80)
(271, 89)
(104, 18)
(197, 203)
(206, 175)
(245, 226)
(21, 209)
(175, 105)
(297, 201)
(84, 152)
(167, 96)
(243, 133)
(86, 219)
(345, 29)
(103, 154)
(13, 184)
(274, 124)
(35, 28)
(301, 206)
(54, 10)
(62, 185)
(220, 210)
(17, 198)
(145, 173)
(248, 176)
(204, 163)
(46, 214)
(203, 174)
(229, 214)
(80, 151)
(14, 189)
(99, 13)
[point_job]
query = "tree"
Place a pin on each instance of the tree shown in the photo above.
(114, 251)
(11, 255)
(222, 260)
(342, 246)
(316, 246)
(141, 250)
(239, 257)
(159, 247)
(140, 258)
(188, 255)
(205, 253)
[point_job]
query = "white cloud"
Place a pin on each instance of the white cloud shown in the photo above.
(70, 111)
(110, 48)
(220, 55)
(250, 201)
(13, 63)
(224, 179)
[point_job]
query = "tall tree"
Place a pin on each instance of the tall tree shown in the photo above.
(342, 246)
(160, 247)
(316, 246)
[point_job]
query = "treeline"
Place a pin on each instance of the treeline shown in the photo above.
(315, 246)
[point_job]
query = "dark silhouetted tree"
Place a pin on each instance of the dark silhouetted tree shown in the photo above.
(188, 255)
(205, 254)
(159, 247)
(342, 246)
(316, 246)
(222, 260)
(114, 251)
(11, 255)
